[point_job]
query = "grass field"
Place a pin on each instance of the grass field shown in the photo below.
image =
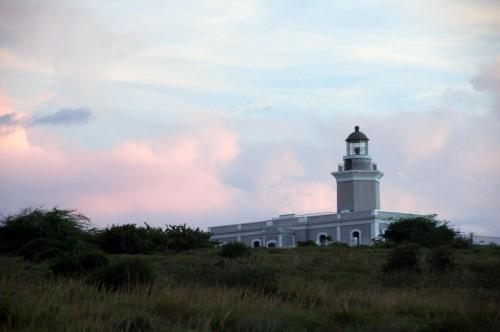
(303, 289)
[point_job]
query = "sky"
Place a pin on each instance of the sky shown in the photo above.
(219, 112)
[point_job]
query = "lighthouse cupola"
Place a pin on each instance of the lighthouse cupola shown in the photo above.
(357, 157)
(357, 177)
(357, 143)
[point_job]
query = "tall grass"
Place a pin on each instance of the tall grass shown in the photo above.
(316, 289)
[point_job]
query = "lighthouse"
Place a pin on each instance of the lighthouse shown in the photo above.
(358, 220)
(358, 179)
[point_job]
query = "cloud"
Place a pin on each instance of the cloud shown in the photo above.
(284, 187)
(488, 80)
(178, 175)
(63, 116)
(8, 119)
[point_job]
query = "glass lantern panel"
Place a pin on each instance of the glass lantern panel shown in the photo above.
(357, 148)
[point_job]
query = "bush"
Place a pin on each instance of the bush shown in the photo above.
(307, 243)
(403, 258)
(181, 237)
(234, 249)
(82, 260)
(124, 273)
(41, 249)
(131, 239)
(59, 228)
(425, 231)
(441, 259)
(461, 243)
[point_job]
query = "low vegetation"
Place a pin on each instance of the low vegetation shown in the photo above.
(234, 249)
(80, 285)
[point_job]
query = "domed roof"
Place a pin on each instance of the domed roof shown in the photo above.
(357, 136)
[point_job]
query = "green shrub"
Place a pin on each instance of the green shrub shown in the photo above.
(41, 249)
(307, 243)
(441, 259)
(234, 249)
(182, 237)
(403, 258)
(461, 243)
(123, 274)
(424, 230)
(132, 239)
(82, 260)
(62, 226)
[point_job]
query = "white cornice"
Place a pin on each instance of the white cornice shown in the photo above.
(358, 175)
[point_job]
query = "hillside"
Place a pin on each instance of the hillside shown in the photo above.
(303, 289)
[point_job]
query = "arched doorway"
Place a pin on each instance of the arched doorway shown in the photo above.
(355, 237)
(322, 239)
(256, 243)
(271, 244)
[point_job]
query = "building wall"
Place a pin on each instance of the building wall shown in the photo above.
(228, 239)
(301, 235)
(303, 228)
(358, 195)
(366, 236)
(485, 240)
(328, 230)
(272, 238)
(287, 241)
(248, 239)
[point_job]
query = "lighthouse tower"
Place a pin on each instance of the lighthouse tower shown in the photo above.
(357, 177)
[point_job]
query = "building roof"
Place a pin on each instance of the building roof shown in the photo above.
(357, 136)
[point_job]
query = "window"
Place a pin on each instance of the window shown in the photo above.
(322, 239)
(355, 237)
(271, 244)
(357, 148)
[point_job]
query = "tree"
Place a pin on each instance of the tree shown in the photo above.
(33, 229)
(133, 239)
(422, 230)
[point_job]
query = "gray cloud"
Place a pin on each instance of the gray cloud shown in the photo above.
(488, 80)
(8, 120)
(63, 116)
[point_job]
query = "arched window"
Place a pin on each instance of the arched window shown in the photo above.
(322, 239)
(355, 237)
(271, 244)
(256, 243)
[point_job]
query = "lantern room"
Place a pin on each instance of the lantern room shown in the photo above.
(357, 143)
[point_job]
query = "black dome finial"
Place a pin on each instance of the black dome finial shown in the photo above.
(357, 135)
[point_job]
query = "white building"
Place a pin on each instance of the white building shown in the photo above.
(358, 219)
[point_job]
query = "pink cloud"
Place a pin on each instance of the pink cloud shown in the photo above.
(284, 187)
(178, 175)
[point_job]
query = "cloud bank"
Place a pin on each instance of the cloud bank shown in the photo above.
(63, 116)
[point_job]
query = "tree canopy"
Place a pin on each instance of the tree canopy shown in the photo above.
(423, 230)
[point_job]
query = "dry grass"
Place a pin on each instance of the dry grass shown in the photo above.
(317, 289)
